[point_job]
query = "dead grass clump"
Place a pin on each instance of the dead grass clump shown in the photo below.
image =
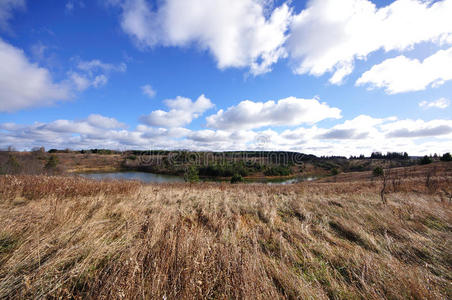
(36, 187)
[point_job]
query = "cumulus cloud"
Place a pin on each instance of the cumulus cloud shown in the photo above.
(418, 128)
(93, 73)
(100, 80)
(236, 32)
(343, 134)
(182, 112)
(24, 84)
(285, 112)
(357, 128)
(401, 74)
(329, 35)
(441, 103)
(361, 135)
(148, 90)
(100, 121)
(6, 9)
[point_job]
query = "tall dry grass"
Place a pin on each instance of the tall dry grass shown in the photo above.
(119, 240)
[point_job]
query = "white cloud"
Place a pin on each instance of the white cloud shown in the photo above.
(329, 35)
(6, 10)
(100, 80)
(183, 111)
(401, 74)
(80, 81)
(148, 90)
(361, 135)
(441, 103)
(69, 7)
(235, 32)
(96, 65)
(24, 84)
(285, 112)
(93, 73)
(72, 4)
(418, 128)
(104, 122)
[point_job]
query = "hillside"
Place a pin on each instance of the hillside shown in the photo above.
(209, 165)
(76, 238)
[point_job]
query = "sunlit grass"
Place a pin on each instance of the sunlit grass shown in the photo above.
(73, 237)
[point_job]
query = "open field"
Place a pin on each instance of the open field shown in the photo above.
(75, 238)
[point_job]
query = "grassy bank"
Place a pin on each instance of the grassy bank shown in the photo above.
(72, 237)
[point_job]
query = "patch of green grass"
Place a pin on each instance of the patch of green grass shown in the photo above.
(7, 243)
(270, 247)
(286, 214)
(435, 223)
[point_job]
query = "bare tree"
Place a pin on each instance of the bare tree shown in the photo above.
(386, 174)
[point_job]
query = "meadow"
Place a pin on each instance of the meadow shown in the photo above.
(70, 237)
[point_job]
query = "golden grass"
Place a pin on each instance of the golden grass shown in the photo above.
(64, 237)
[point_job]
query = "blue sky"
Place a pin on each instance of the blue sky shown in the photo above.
(343, 77)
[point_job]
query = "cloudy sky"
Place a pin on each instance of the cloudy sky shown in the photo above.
(325, 77)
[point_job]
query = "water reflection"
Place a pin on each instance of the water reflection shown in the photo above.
(142, 176)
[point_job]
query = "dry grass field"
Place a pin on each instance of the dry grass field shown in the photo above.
(66, 237)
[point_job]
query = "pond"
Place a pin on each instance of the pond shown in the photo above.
(159, 178)
(142, 176)
(292, 180)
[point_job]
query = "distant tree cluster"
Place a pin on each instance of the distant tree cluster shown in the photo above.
(425, 160)
(278, 171)
(93, 151)
(390, 155)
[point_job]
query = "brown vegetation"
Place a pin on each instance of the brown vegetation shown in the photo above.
(76, 238)
(14, 162)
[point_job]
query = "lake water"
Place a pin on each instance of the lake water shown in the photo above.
(158, 178)
(142, 176)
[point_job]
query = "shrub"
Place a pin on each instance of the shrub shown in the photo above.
(446, 157)
(12, 165)
(425, 160)
(237, 178)
(278, 171)
(378, 171)
(334, 171)
(52, 163)
(191, 174)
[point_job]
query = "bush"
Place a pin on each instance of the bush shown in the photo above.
(278, 171)
(52, 163)
(12, 165)
(446, 157)
(425, 160)
(191, 174)
(378, 171)
(334, 171)
(237, 178)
